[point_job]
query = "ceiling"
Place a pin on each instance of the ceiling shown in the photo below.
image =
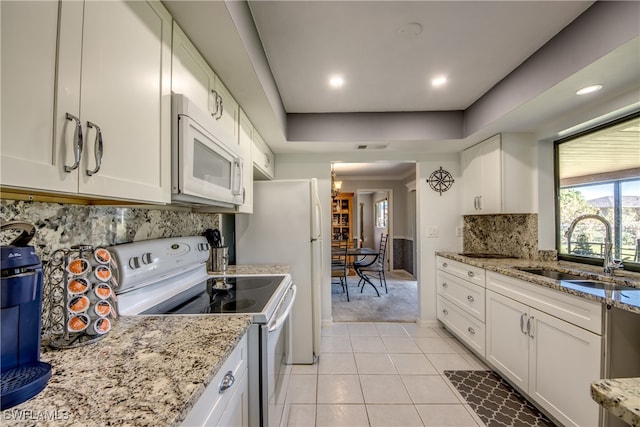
(388, 51)
(498, 57)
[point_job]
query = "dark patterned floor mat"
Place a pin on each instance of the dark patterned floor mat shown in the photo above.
(495, 401)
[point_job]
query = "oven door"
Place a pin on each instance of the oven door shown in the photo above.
(277, 358)
(208, 169)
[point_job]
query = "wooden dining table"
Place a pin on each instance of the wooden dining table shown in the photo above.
(367, 256)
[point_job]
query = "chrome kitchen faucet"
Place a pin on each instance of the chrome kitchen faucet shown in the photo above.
(609, 264)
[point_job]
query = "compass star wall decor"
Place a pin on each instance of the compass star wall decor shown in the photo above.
(440, 180)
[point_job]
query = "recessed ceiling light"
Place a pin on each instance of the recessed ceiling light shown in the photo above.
(589, 89)
(438, 81)
(336, 81)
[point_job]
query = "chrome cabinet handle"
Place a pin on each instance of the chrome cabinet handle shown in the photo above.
(445, 265)
(471, 330)
(479, 203)
(445, 311)
(244, 195)
(98, 148)
(445, 284)
(475, 203)
(471, 298)
(267, 160)
(220, 101)
(522, 323)
(470, 274)
(77, 145)
(227, 382)
(215, 100)
(530, 327)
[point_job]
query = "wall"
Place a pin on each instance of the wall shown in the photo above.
(63, 225)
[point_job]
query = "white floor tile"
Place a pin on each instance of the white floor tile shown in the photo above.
(448, 362)
(435, 345)
(304, 369)
(363, 329)
(341, 416)
(475, 362)
(457, 345)
(336, 329)
(384, 389)
(428, 389)
(413, 364)
(339, 389)
(419, 331)
(335, 345)
(337, 363)
(302, 389)
(393, 416)
(443, 332)
(302, 416)
(391, 330)
(364, 344)
(446, 416)
(400, 345)
(374, 364)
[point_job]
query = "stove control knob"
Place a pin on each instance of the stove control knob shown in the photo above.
(134, 262)
(146, 258)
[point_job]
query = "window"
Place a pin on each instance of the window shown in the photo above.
(382, 213)
(598, 188)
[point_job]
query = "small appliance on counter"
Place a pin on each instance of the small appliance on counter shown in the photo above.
(23, 374)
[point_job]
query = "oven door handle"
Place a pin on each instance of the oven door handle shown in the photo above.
(277, 323)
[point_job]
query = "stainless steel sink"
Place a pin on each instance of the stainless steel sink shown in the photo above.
(552, 274)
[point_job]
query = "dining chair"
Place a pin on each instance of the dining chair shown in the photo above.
(377, 268)
(339, 267)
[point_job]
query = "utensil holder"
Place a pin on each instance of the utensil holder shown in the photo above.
(219, 259)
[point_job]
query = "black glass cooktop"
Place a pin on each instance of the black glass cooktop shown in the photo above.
(228, 295)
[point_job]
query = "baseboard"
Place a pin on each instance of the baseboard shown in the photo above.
(428, 323)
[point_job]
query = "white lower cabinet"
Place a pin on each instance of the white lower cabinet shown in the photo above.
(549, 359)
(225, 400)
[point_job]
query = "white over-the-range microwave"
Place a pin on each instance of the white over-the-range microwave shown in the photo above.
(206, 164)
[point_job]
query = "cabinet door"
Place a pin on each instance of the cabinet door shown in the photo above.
(229, 112)
(190, 74)
(471, 180)
(125, 88)
(491, 176)
(32, 154)
(236, 414)
(246, 142)
(507, 346)
(564, 360)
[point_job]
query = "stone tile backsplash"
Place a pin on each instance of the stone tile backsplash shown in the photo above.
(64, 225)
(504, 234)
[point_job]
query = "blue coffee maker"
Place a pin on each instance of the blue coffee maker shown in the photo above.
(22, 373)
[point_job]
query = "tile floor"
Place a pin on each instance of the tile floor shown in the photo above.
(382, 374)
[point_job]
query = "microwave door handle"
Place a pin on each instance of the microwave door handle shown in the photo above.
(277, 323)
(237, 179)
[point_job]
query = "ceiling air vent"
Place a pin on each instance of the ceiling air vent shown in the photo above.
(371, 147)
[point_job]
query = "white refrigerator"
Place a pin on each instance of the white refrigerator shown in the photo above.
(286, 228)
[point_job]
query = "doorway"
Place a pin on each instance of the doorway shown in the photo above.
(381, 204)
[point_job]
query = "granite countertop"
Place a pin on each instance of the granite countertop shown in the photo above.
(149, 371)
(628, 300)
(619, 396)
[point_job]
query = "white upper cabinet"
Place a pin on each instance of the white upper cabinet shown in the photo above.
(246, 142)
(107, 135)
(498, 175)
(193, 77)
(263, 158)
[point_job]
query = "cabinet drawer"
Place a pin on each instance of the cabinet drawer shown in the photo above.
(467, 328)
(466, 295)
(581, 312)
(212, 403)
(462, 270)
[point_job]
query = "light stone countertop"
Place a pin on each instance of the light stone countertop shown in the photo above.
(619, 396)
(625, 300)
(148, 371)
